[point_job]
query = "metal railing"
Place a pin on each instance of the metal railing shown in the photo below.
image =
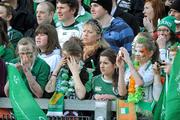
(102, 109)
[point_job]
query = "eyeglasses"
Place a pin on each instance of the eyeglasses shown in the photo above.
(163, 30)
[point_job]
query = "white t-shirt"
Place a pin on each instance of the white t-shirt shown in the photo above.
(52, 59)
(65, 32)
(147, 74)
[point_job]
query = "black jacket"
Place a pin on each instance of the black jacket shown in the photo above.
(95, 58)
(129, 19)
(134, 7)
(23, 18)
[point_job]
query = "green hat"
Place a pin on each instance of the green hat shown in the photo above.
(168, 22)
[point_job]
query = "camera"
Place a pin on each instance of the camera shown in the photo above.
(161, 63)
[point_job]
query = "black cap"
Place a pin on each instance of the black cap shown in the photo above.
(106, 4)
(175, 5)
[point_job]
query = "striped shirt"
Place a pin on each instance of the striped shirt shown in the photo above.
(119, 34)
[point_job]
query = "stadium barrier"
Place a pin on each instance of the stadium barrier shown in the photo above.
(102, 109)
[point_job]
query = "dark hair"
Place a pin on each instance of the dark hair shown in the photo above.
(51, 32)
(73, 46)
(3, 24)
(111, 55)
(3, 37)
(73, 5)
(9, 9)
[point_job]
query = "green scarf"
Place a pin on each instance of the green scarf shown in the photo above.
(63, 87)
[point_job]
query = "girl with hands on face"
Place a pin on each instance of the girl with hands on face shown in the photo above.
(68, 78)
(166, 36)
(153, 10)
(72, 60)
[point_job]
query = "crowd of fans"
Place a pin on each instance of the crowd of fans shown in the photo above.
(111, 49)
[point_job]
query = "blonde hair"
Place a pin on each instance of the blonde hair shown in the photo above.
(95, 25)
(98, 28)
(146, 39)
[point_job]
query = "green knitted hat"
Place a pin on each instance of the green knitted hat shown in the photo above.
(168, 22)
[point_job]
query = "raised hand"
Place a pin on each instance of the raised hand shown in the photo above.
(161, 41)
(73, 65)
(125, 55)
(148, 24)
(119, 60)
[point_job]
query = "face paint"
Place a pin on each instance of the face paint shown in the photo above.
(141, 53)
(26, 54)
(145, 51)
